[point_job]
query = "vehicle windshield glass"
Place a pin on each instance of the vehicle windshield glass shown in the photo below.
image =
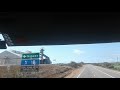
(101, 60)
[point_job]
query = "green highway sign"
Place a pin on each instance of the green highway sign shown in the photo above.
(30, 56)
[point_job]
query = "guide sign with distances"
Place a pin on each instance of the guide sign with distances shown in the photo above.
(30, 62)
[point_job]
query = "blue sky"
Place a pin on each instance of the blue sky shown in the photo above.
(77, 52)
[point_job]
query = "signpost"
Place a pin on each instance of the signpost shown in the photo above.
(30, 62)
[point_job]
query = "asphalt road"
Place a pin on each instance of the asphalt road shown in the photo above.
(91, 71)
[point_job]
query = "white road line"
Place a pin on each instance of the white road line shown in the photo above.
(104, 73)
(116, 72)
(80, 73)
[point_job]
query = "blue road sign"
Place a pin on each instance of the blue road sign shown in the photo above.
(30, 62)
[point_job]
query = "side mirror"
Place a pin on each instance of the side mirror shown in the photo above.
(3, 45)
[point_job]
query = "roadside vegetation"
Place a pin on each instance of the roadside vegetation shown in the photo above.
(115, 65)
(45, 71)
(72, 64)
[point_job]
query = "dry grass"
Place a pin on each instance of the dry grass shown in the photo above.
(45, 71)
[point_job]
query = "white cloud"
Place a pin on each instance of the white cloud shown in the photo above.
(78, 52)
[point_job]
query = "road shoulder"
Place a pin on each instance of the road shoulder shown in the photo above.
(75, 73)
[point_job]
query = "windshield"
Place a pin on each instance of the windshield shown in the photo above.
(100, 60)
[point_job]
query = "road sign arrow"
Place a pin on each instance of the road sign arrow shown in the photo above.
(24, 56)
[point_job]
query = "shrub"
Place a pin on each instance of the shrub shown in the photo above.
(75, 65)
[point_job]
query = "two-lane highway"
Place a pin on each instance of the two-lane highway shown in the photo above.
(91, 71)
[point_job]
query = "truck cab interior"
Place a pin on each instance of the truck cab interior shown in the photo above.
(59, 27)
